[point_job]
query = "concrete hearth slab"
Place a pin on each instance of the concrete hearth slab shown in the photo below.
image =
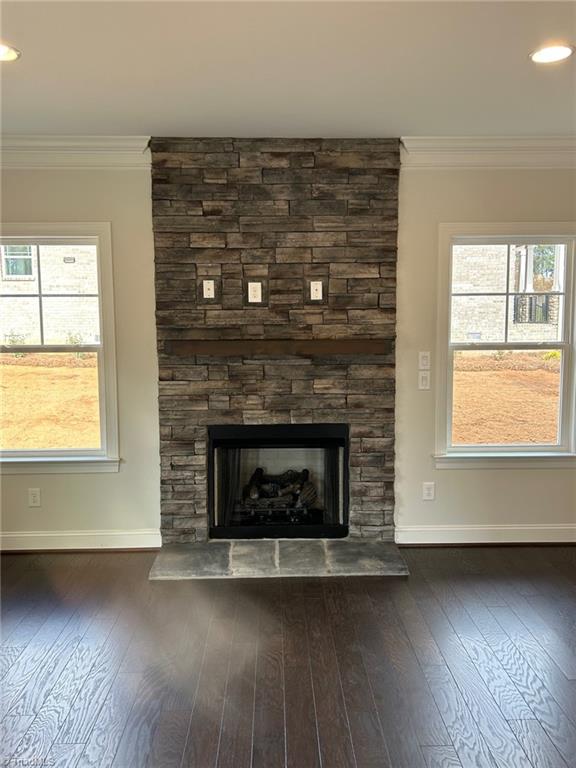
(272, 559)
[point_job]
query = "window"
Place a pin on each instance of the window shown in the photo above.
(18, 262)
(507, 384)
(57, 362)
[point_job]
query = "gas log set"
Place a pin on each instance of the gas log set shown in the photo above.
(288, 498)
(278, 480)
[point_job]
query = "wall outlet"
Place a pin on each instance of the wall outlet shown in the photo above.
(424, 361)
(254, 293)
(428, 491)
(316, 290)
(34, 498)
(208, 289)
(423, 379)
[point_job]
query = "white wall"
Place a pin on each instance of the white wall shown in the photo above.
(107, 509)
(471, 505)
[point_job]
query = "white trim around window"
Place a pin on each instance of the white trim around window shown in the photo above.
(106, 458)
(562, 455)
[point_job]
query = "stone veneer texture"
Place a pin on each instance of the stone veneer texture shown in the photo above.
(281, 211)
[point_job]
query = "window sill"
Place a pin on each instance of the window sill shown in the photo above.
(505, 461)
(57, 465)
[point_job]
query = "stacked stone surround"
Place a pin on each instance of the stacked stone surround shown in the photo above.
(284, 212)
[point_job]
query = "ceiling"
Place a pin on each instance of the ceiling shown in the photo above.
(287, 69)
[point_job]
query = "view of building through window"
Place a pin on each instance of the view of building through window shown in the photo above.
(17, 262)
(50, 333)
(507, 343)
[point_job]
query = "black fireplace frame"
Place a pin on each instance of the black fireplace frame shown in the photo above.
(278, 436)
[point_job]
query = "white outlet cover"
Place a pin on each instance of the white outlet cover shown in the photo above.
(208, 289)
(316, 290)
(34, 498)
(254, 293)
(428, 491)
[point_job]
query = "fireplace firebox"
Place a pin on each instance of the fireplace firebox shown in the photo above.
(278, 481)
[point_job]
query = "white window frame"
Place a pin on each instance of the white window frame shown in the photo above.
(106, 458)
(562, 455)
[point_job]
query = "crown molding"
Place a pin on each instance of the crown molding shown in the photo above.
(418, 152)
(422, 152)
(80, 152)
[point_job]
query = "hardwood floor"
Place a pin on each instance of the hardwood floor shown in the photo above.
(468, 663)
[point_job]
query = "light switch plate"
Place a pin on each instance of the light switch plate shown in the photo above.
(424, 361)
(254, 293)
(208, 289)
(423, 379)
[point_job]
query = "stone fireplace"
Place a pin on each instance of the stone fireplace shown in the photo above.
(282, 213)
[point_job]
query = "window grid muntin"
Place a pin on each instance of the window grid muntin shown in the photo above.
(37, 243)
(564, 345)
(506, 295)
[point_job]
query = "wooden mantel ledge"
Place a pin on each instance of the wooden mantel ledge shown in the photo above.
(275, 347)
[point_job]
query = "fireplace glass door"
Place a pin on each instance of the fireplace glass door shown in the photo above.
(281, 481)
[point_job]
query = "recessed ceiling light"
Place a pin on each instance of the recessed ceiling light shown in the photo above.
(552, 53)
(7, 53)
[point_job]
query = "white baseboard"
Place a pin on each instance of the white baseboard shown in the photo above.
(142, 538)
(149, 538)
(485, 534)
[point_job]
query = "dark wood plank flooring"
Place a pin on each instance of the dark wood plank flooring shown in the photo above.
(468, 663)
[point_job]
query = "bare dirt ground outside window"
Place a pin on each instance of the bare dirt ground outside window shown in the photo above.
(49, 401)
(506, 398)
